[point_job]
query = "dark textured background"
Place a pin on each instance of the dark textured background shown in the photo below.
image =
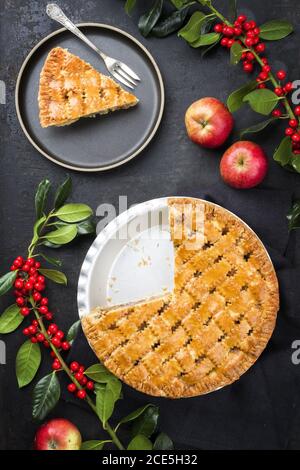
(169, 163)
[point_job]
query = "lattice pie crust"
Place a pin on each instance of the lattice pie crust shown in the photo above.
(70, 88)
(211, 328)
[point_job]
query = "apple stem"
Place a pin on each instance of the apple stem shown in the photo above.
(66, 369)
(276, 84)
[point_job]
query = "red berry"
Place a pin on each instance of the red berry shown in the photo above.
(266, 68)
(256, 31)
(49, 316)
(237, 31)
(65, 345)
(18, 283)
(74, 366)
(32, 272)
(241, 18)
(30, 262)
(28, 285)
(249, 42)
(218, 28)
(39, 287)
(13, 268)
(81, 369)
(17, 263)
(296, 137)
(247, 26)
(244, 55)
(52, 354)
(40, 337)
(46, 344)
(83, 381)
(43, 310)
(32, 329)
(90, 385)
(297, 152)
(37, 264)
(224, 42)
(293, 123)
(263, 75)
(33, 339)
(35, 323)
(44, 301)
(230, 43)
(53, 328)
(252, 24)
(281, 74)
(41, 279)
(250, 56)
(26, 268)
(228, 31)
(56, 365)
(37, 296)
(56, 342)
(261, 47)
(25, 311)
(255, 40)
(81, 394)
(59, 334)
(288, 87)
(278, 91)
(72, 388)
(262, 85)
(20, 301)
(26, 332)
(264, 60)
(289, 131)
(78, 376)
(250, 34)
(297, 110)
(248, 67)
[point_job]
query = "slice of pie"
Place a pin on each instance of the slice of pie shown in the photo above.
(212, 327)
(70, 89)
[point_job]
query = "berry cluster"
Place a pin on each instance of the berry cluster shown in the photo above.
(29, 285)
(78, 372)
(246, 33)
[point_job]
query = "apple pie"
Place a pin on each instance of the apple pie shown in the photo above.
(212, 327)
(70, 89)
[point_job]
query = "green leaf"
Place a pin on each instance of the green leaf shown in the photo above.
(170, 24)
(163, 442)
(296, 163)
(115, 386)
(99, 373)
(93, 445)
(140, 442)
(36, 229)
(146, 423)
(46, 394)
(207, 49)
(73, 331)
(232, 9)
(10, 319)
(182, 3)
(54, 261)
(257, 127)
(283, 153)
(235, 99)
(132, 416)
(275, 29)
(149, 19)
(105, 402)
(294, 216)
(62, 235)
(86, 227)
(236, 52)
(129, 6)
(205, 2)
(7, 281)
(191, 31)
(74, 212)
(41, 197)
(206, 40)
(62, 193)
(54, 275)
(262, 101)
(27, 362)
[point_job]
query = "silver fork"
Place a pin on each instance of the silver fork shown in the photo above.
(118, 69)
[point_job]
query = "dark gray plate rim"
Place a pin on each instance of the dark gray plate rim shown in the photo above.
(137, 151)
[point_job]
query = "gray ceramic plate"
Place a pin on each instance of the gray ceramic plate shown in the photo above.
(103, 142)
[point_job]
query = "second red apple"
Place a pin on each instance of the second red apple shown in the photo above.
(208, 122)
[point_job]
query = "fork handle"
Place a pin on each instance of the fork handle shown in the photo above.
(56, 13)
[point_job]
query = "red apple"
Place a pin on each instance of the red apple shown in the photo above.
(244, 165)
(57, 434)
(208, 122)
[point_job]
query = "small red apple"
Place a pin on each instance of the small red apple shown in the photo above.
(57, 434)
(244, 165)
(208, 122)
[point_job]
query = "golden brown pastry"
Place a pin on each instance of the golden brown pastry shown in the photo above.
(212, 327)
(70, 88)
